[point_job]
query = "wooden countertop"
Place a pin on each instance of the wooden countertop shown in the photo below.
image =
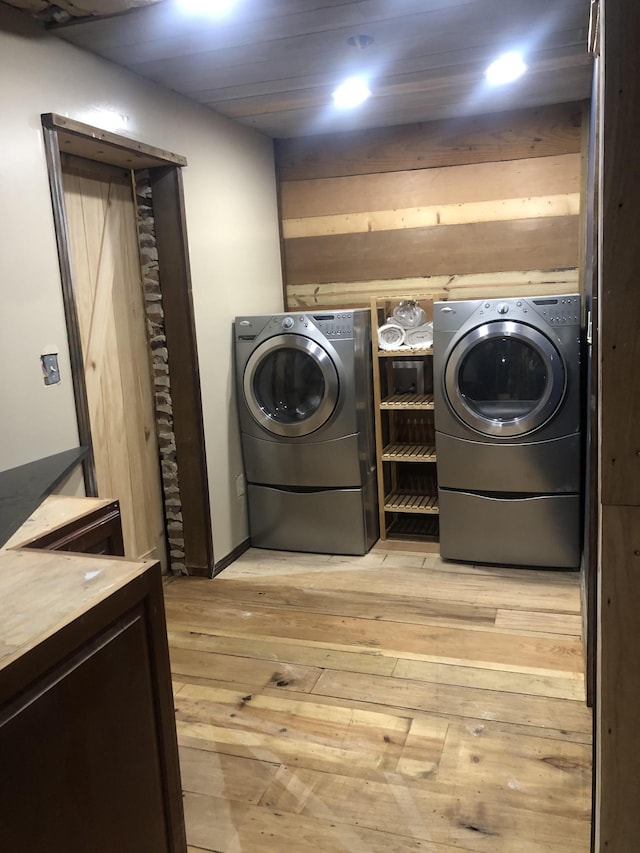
(42, 591)
(55, 511)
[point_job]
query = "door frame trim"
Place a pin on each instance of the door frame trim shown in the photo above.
(63, 134)
(54, 168)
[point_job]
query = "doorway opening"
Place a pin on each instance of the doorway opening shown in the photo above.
(164, 287)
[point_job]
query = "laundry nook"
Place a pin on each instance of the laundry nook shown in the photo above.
(319, 471)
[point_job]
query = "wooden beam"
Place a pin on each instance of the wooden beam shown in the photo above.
(356, 294)
(497, 210)
(617, 817)
(93, 143)
(461, 184)
(440, 250)
(542, 132)
(617, 822)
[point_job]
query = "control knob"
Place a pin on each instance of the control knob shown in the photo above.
(503, 308)
(287, 323)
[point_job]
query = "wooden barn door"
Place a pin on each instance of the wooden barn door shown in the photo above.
(103, 244)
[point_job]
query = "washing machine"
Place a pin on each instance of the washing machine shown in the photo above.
(306, 419)
(507, 394)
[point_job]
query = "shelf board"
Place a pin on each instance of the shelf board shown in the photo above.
(409, 453)
(418, 504)
(407, 401)
(414, 528)
(395, 353)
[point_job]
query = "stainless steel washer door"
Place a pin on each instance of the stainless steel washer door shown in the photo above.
(291, 385)
(504, 379)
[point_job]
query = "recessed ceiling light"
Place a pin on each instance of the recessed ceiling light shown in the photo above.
(506, 68)
(361, 42)
(351, 93)
(206, 7)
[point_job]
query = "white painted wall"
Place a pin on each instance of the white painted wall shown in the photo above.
(232, 223)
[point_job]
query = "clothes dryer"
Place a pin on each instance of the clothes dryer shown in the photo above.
(507, 396)
(306, 419)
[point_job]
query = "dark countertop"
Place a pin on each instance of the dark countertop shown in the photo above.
(23, 489)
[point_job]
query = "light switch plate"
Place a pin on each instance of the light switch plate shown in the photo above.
(50, 368)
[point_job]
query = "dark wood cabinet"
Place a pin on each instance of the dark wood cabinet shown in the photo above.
(87, 726)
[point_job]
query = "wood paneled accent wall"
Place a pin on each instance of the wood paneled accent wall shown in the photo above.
(482, 206)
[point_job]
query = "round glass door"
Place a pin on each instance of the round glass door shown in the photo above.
(505, 379)
(291, 385)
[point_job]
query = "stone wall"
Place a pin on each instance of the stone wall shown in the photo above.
(151, 282)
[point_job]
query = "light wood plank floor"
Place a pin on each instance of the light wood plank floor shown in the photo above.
(380, 704)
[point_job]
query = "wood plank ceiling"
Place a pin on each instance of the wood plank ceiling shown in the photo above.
(273, 64)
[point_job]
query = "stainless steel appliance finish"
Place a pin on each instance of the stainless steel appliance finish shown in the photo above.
(507, 419)
(514, 530)
(305, 409)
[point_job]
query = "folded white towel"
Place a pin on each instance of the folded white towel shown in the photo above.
(421, 337)
(390, 336)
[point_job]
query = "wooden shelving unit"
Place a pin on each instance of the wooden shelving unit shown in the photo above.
(405, 437)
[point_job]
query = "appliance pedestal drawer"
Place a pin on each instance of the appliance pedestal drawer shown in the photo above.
(536, 530)
(323, 521)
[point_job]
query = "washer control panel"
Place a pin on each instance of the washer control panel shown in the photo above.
(333, 326)
(338, 325)
(289, 323)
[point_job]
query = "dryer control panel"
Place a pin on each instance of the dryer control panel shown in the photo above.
(559, 310)
(555, 310)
